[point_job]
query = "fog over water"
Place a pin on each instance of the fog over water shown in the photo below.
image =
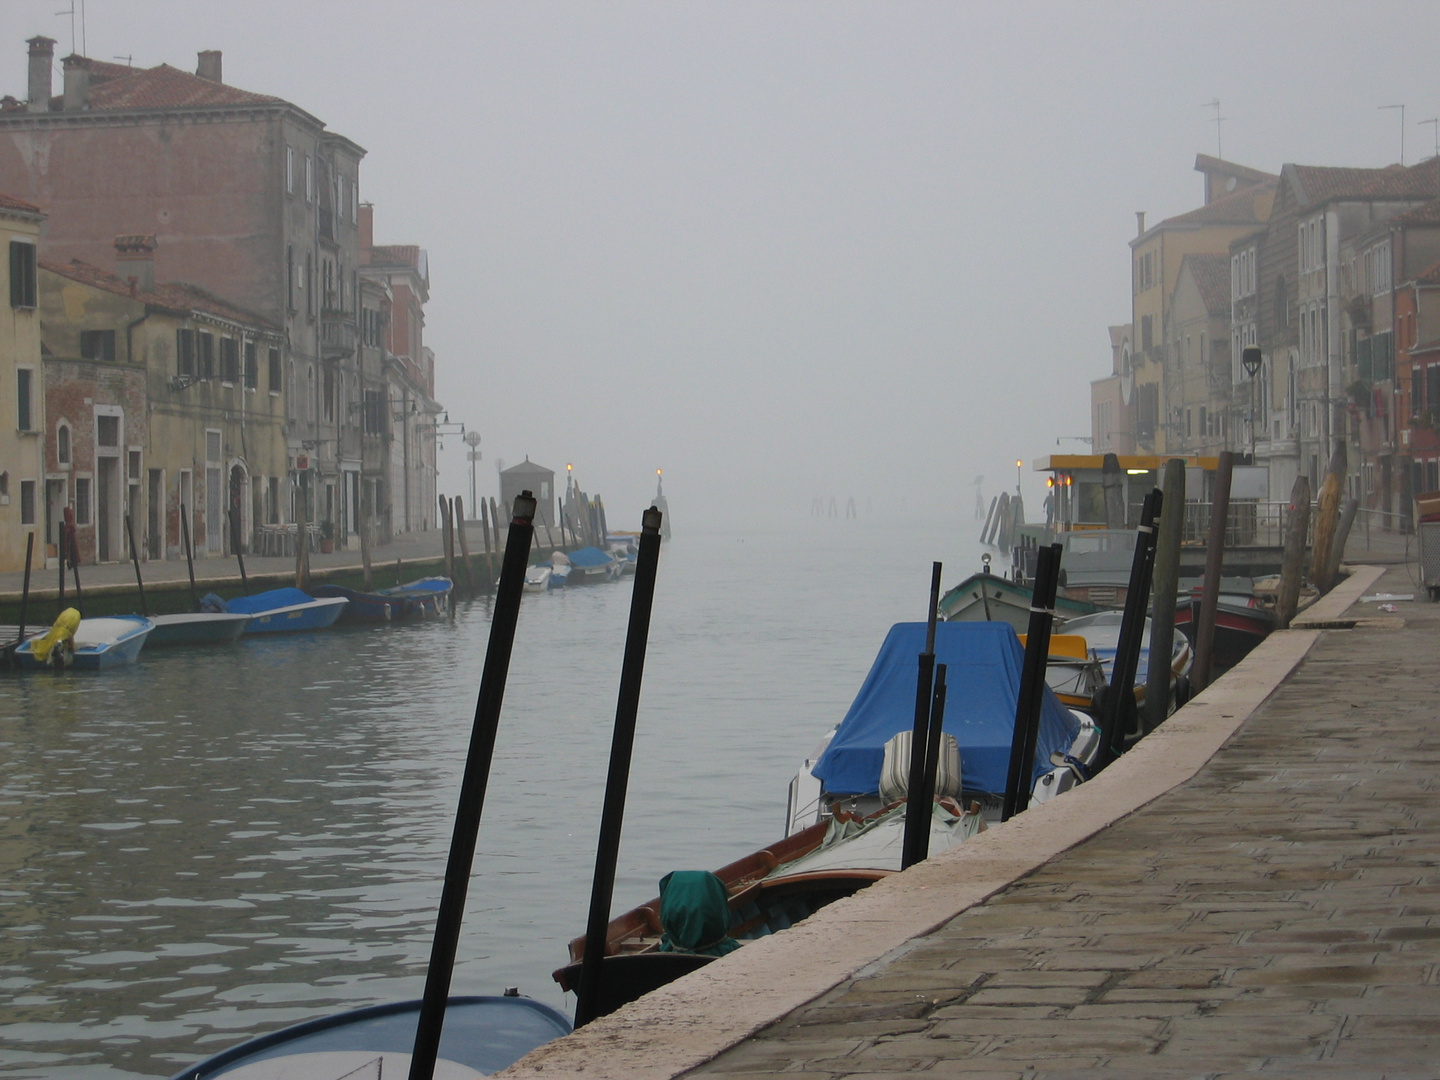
(781, 249)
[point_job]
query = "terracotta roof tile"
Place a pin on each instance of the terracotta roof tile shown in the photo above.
(9, 202)
(395, 255)
(1426, 214)
(1207, 163)
(169, 296)
(1429, 276)
(1243, 207)
(1212, 276)
(164, 87)
(1412, 182)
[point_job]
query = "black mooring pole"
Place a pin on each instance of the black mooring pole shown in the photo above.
(135, 561)
(60, 547)
(25, 589)
(1118, 704)
(75, 569)
(1031, 696)
(189, 556)
(472, 789)
(239, 555)
(932, 760)
(917, 813)
(607, 854)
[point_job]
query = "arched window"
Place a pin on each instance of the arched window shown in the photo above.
(62, 444)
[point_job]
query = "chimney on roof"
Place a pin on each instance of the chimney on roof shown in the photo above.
(77, 82)
(209, 65)
(367, 230)
(1139, 222)
(135, 262)
(42, 57)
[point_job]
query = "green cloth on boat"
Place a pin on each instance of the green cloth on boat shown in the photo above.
(695, 914)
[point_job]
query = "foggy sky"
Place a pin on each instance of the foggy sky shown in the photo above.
(784, 250)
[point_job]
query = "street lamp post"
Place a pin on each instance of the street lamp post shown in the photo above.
(472, 439)
(1250, 360)
(1018, 464)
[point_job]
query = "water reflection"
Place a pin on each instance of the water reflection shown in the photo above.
(222, 841)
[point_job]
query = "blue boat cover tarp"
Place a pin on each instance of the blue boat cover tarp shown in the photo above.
(268, 601)
(589, 556)
(983, 663)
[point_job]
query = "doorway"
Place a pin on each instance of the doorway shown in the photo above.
(154, 518)
(108, 509)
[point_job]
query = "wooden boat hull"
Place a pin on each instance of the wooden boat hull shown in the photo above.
(197, 628)
(99, 644)
(1239, 627)
(482, 1035)
(987, 598)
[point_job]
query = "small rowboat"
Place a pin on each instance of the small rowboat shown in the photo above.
(287, 611)
(97, 644)
(482, 1035)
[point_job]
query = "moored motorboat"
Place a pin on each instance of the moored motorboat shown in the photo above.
(197, 628)
(537, 577)
(86, 644)
(482, 1035)
(983, 661)
(285, 611)
(424, 598)
(1101, 632)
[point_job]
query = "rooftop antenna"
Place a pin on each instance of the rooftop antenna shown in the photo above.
(1434, 122)
(71, 12)
(129, 60)
(1402, 128)
(1219, 147)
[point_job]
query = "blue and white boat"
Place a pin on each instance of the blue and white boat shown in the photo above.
(92, 645)
(482, 1035)
(590, 564)
(424, 598)
(286, 611)
(983, 663)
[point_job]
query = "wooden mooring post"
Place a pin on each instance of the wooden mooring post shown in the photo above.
(464, 544)
(365, 536)
(1327, 517)
(489, 559)
(1292, 561)
(1214, 568)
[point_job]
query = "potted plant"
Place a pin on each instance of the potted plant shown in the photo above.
(327, 537)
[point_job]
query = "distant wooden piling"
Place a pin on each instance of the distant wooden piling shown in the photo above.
(489, 559)
(447, 526)
(1292, 562)
(365, 536)
(135, 562)
(464, 545)
(495, 532)
(302, 541)
(1327, 516)
(1214, 569)
(1166, 579)
(189, 558)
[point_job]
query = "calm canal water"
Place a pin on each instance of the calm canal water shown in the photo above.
(216, 843)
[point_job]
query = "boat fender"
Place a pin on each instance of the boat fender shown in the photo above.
(55, 647)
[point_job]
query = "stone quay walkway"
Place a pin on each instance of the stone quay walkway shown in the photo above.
(1254, 889)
